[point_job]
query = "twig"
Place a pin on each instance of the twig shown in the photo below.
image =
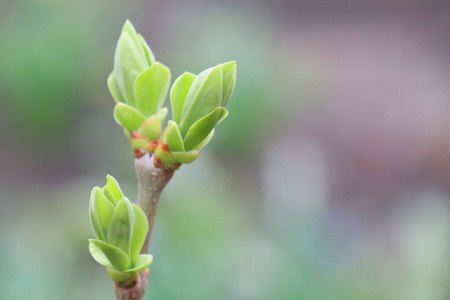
(151, 182)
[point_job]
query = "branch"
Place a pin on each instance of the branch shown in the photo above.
(151, 182)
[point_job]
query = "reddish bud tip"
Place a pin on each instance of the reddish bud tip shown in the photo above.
(135, 135)
(157, 162)
(165, 148)
(151, 147)
(138, 153)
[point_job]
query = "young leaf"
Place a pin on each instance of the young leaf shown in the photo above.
(93, 218)
(103, 209)
(178, 92)
(109, 195)
(203, 97)
(129, 28)
(118, 276)
(98, 255)
(151, 128)
(185, 157)
(114, 88)
(128, 64)
(150, 89)
(205, 141)
(202, 128)
(162, 114)
(117, 258)
(142, 262)
(128, 117)
(173, 137)
(147, 51)
(114, 188)
(229, 70)
(120, 226)
(140, 229)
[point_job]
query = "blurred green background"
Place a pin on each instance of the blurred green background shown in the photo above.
(330, 179)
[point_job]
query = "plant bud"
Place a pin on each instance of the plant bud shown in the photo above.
(151, 128)
(121, 228)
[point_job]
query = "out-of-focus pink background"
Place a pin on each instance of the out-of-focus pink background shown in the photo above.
(330, 179)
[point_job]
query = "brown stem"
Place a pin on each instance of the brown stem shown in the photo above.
(151, 182)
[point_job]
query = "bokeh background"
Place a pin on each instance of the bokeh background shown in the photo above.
(330, 179)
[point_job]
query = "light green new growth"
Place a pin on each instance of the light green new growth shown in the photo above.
(139, 85)
(121, 228)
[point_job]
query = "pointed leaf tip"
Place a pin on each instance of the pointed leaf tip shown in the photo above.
(202, 128)
(150, 88)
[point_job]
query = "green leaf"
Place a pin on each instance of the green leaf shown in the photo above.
(203, 97)
(93, 218)
(102, 210)
(142, 262)
(229, 70)
(109, 195)
(150, 88)
(118, 276)
(205, 141)
(147, 51)
(128, 117)
(151, 128)
(120, 227)
(113, 186)
(178, 92)
(128, 64)
(117, 258)
(164, 154)
(140, 229)
(185, 157)
(114, 88)
(98, 255)
(129, 28)
(173, 137)
(162, 114)
(203, 127)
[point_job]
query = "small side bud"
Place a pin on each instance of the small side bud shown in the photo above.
(151, 128)
(137, 140)
(151, 147)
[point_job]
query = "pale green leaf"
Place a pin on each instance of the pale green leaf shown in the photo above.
(173, 137)
(203, 127)
(118, 276)
(128, 64)
(128, 117)
(129, 28)
(229, 70)
(117, 258)
(151, 128)
(140, 229)
(178, 92)
(147, 51)
(120, 227)
(98, 255)
(205, 141)
(150, 89)
(142, 262)
(102, 208)
(114, 88)
(185, 157)
(114, 188)
(162, 114)
(203, 97)
(93, 218)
